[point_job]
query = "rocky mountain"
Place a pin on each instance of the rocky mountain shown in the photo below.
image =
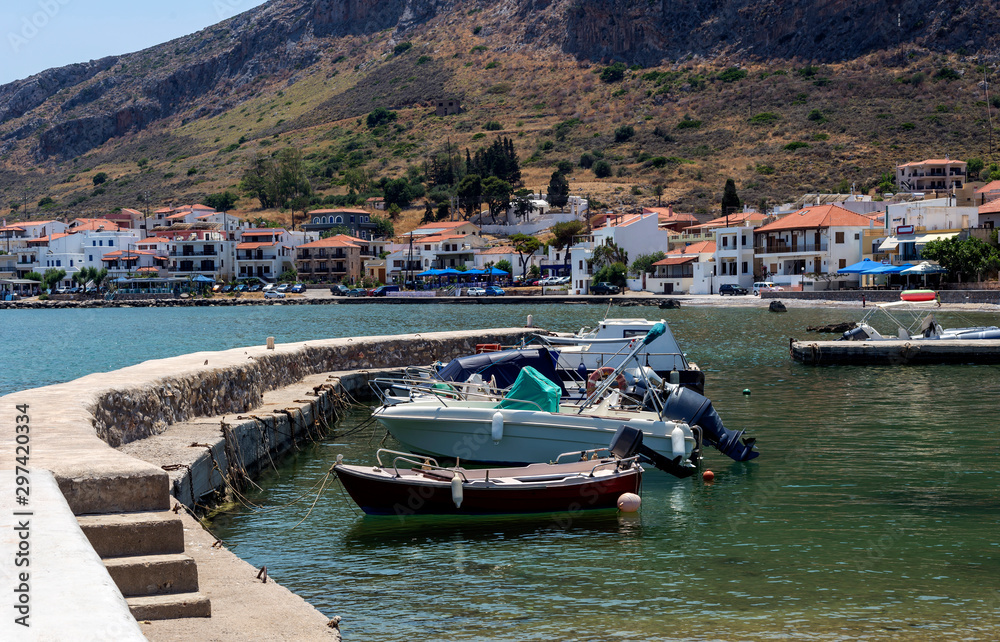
(62, 114)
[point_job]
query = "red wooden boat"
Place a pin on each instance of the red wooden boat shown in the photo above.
(916, 296)
(411, 485)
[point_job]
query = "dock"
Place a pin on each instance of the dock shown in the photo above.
(894, 352)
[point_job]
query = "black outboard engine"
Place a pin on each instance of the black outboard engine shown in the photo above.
(857, 334)
(627, 442)
(684, 404)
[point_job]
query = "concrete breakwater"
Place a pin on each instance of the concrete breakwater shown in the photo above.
(113, 493)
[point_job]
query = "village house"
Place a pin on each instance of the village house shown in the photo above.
(909, 226)
(357, 222)
(331, 260)
(266, 253)
(635, 233)
(685, 270)
(195, 248)
(814, 240)
(930, 175)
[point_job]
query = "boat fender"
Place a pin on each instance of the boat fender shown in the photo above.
(497, 427)
(629, 502)
(675, 377)
(457, 495)
(601, 373)
(677, 442)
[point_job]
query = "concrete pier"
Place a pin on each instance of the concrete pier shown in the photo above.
(110, 500)
(894, 352)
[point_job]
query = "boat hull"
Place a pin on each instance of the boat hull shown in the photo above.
(527, 436)
(412, 495)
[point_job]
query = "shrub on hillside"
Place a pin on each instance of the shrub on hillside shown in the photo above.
(602, 169)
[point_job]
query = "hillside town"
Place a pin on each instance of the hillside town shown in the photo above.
(797, 246)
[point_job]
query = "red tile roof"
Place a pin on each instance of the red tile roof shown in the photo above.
(254, 246)
(992, 186)
(271, 231)
(816, 217)
(992, 207)
(83, 224)
(932, 161)
(701, 247)
(46, 239)
(668, 215)
(330, 241)
(342, 210)
(676, 260)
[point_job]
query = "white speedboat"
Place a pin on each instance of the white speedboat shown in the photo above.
(608, 345)
(919, 327)
(533, 422)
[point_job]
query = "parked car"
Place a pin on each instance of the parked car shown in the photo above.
(339, 290)
(492, 290)
(283, 287)
(298, 288)
(562, 280)
(603, 287)
(274, 294)
(382, 290)
(268, 287)
(766, 286)
(732, 290)
(475, 292)
(357, 292)
(256, 287)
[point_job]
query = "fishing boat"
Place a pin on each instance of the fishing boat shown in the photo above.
(409, 484)
(919, 326)
(534, 420)
(608, 345)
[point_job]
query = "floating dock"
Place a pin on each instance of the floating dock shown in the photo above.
(895, 352)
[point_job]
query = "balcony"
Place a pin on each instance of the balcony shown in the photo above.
(184, 254)
(258, 257)
(786, 248)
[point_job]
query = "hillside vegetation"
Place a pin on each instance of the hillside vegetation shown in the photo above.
(778, 126)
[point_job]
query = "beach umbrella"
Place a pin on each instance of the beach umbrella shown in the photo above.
(475, 271)
(859, 267)
(496, 272)
(924, 267)
(430, 272)
(203, 279)
(449, 272)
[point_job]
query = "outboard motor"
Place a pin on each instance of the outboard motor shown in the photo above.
(684, 404)
(857, 334)
(627, 442)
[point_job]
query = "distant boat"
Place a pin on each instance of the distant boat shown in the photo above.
(920, 327)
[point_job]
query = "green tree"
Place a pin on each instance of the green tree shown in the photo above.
(505, 265)
(358, 180)
(525, 246)
(973, 166)
(643, 263)
(730, 199)
(380, 116)
(613, 72)
(46, 202)
(222, 201)
(969, 258)
(383, 226)
(608, 253)
(496, 193)
(258, 181)
(52, 277)
(602, 169)
(624, 133)
(470, 194)
(558, 194)
(100, 177)
(564, 233)
(397, 192)
(613, 273)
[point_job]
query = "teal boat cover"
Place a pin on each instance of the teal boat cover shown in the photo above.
(532, 391)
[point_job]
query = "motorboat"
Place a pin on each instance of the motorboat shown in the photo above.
(919, 326)
(533, 420)
(409, 484)
(608, 344)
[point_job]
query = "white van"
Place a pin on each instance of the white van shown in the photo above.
(767, 286)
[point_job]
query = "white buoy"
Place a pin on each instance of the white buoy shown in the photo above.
(629, 503)
(677, 442)
(456, 490)
(531, 322)
(497, 427)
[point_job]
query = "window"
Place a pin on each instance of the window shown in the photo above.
(111, 242)
(90, 257)
(340, 219)
(857, 236)
(725, 241)
(71, 262)
(744, 240)
(842, 264)
(744, 268)
(839, 237)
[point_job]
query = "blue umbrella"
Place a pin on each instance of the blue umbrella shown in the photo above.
(859, 267)
(496, 272)
(449, 272)
(474, 271)
(430, 272)
(203, 279)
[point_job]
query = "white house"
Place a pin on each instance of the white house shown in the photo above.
(908, 227)
(734, 256)
(814, 240)
(266, 253)
(637, 234)
(687, 270)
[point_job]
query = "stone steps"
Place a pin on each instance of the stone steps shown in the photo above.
(169, 607)
(142, 575)
(144, 554)
(127, 534)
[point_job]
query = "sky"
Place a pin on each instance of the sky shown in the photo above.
(39, 34)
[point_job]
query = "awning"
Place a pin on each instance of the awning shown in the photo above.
(676, 260)
(922, 239)
(889, 244)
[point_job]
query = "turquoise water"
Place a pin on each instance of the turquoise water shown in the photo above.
(873, 511)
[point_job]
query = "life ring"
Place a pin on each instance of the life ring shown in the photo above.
(597, 375)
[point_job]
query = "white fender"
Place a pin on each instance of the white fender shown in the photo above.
(497, 427)
(456, 490)
(677, 442)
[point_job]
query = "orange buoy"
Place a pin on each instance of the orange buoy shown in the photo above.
(708, 476)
